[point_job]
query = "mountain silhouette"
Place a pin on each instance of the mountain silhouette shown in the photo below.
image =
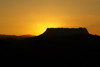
(70, 46)
(15, 37)
(52, 32)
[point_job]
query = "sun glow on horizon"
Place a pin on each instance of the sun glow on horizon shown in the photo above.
(21, 17)
(41, 28)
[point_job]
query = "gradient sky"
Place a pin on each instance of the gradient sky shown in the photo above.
(20, 17)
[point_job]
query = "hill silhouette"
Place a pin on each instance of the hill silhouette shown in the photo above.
(52, 32)
(71, 47)
(15, 37)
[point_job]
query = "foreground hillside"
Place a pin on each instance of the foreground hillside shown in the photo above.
(81, 50)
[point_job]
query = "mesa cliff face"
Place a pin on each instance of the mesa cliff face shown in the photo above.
(64, 32)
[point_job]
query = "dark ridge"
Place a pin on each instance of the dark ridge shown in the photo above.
(51, 32)
(79, 48)
(15, 37)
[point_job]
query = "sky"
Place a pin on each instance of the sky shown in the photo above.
(21, 17)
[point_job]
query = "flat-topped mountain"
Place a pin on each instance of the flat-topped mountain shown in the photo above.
(77, 50)
(65, 32)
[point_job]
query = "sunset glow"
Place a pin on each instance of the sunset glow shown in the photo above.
(20, 17)
(41, 28)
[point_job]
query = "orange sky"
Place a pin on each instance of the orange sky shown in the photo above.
(20, 17)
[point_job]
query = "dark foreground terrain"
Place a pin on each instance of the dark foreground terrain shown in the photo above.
(77, 50)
